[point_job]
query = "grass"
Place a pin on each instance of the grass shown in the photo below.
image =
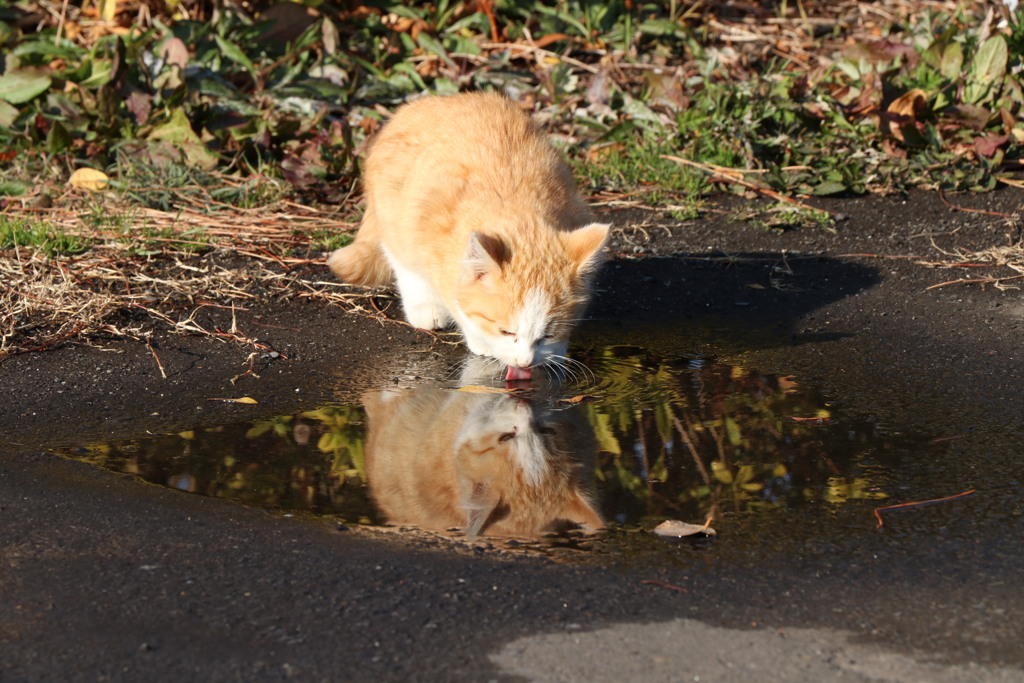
(783, 216)
(244, 140)
(934, 103)
(17, 233)
(329, 240)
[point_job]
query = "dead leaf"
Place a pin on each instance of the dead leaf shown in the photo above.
(808, 420)
(244, 399)
(477, 389)
(578, 399)
(673, 528)
(988, 145)
(905, 112)
(89, 179)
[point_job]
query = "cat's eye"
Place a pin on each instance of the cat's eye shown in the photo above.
(506, 332)
(506, 436)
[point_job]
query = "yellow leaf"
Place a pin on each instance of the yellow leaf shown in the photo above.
(108, 9)
(721, 472)
(89, 179)
(244, 399)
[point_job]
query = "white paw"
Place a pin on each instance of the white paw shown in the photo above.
(427, 316)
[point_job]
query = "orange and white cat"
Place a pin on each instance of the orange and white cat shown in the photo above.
(477, 220)
(495, 465)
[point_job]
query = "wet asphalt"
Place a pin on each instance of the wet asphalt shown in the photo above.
(103, 577)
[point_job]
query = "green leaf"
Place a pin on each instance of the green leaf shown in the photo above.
(58, 139)
(988, 67)
(22, 85)
(990, 63)
(178, 131)
(829, 187)
(430, 44)
(235, 54)
(46, 50)
(952, 61)
(7, 114)
(14, 188)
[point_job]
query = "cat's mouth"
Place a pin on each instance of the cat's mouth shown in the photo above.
(516, 374)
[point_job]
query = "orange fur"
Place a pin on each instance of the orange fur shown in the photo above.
(477, 219)
(491, 464)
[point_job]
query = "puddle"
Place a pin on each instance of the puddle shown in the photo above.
(648, 438)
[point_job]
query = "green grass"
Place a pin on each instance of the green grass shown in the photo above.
(20, 232)
(784, 216)
(329, 240)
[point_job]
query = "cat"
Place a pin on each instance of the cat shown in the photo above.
(477, 220)
(492, 464)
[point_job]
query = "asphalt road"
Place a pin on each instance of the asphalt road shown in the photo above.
(106, 578)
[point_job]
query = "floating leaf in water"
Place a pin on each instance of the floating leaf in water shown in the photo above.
(673, 528)
(808, 420)
(477, 389)
(89, 179)
(577, 399)
(244, 399)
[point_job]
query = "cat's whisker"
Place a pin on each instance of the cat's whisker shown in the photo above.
(556, 369)
(573, 368)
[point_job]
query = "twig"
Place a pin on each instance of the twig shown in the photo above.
(879, 511)
(546, 53)
(651, 582)
(942, 197)
(159, 365)
(728, 175)
(971, 280)
(685, 436)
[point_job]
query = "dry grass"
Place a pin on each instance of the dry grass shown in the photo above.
(167, 267)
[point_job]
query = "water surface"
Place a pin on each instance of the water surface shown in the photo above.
(646, 438)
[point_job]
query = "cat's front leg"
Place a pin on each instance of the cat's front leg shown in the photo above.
(423, 308)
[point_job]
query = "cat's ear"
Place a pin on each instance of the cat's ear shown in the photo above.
(584, 245)
(484, 254)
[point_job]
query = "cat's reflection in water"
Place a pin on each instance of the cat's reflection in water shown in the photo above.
(495, 465)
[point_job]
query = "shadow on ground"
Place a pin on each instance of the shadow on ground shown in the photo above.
(747, 301)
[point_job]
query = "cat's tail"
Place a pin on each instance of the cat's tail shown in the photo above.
(363, 262)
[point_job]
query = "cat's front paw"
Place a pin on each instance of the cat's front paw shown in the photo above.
(428, 316)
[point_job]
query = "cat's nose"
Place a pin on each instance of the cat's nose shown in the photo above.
(525, 358)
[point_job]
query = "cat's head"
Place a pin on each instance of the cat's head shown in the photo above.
(518, 302)
(514, 471)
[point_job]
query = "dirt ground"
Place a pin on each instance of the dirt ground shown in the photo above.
(107, 578)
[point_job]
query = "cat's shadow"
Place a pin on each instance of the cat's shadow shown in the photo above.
(754, 300)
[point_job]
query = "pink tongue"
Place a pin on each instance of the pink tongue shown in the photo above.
(515, 373)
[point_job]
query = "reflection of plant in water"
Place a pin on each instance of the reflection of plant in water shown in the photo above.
(676, 439)
(697, 440)
(313, 461)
